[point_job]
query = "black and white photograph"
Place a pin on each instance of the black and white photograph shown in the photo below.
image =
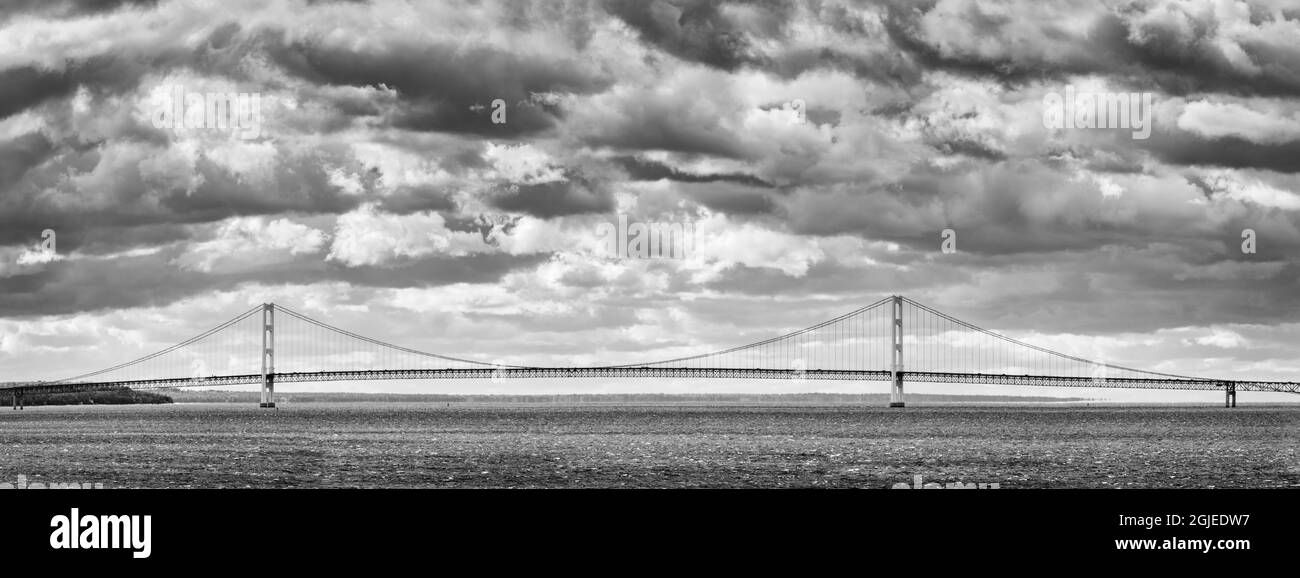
(269, 252)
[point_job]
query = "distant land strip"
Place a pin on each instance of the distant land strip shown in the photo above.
(202, 396)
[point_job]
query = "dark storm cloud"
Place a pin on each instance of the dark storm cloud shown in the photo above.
(1021, 209)
(823, 116)
(573, 19)
(701, 31)
(483, 225)
(24, 211)
(426, 272)
(1186, 60)
(19, 155)
(823, 278)
(576, 194)
(60, 288)
(969, 147)
(92, 241)
(642, 169)
(150, 281)
(23, 87)
(68, 8)
(126, 198)
(1101, 159)
(666, 123)
(901, 25)
(860, 49)
(1142, 293)
(447, 87)
(694, 30)
(891, 68)
(302, 184)
(413, 199)
(731, 197)
(1179, 55)
(1184, 149)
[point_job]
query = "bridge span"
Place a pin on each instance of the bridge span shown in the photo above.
(867, 344)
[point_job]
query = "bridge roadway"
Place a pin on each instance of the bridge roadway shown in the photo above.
(20, 388)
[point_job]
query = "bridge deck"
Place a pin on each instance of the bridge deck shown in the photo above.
(668, 372)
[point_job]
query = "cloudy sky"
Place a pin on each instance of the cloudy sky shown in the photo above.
(819, 148)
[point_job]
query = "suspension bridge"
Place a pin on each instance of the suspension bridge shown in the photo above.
(893, 340)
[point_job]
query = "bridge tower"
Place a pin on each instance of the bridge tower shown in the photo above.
(268, 355)
(896, 353)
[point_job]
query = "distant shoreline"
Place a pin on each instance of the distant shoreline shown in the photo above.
(191, 396)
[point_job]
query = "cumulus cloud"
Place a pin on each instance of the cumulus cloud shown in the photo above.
(522, 164)
(367, 236)
(718, 245)
(1253, 190)
(1222, 339)
(244, 241)
(1220, 120)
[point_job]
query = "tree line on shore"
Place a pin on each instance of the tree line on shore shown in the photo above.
(115, 396)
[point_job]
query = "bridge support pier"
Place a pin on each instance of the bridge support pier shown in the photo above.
(896, 353)
(1230, 394)
(896, 390)
(17, 401)
(268, 392)
(268, 355)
